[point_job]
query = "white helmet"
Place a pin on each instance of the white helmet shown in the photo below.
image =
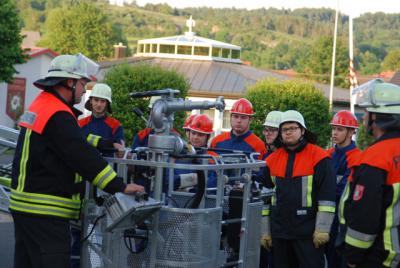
(293, 116)
(100, 90)
(68, 66)
(273, 119)
(378, 97)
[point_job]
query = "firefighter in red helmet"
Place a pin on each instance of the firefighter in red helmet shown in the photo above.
(240, 137)
(345, 156)
(186, 125)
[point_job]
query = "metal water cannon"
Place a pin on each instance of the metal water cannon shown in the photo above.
(162, 117)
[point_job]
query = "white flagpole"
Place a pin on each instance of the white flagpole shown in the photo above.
(333, 60)
(352, 76)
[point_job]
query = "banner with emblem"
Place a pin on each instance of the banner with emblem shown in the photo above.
(16, 98)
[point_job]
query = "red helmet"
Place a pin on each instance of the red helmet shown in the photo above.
(202, 123)
(345, 119)
(242, 106)
(188, 121)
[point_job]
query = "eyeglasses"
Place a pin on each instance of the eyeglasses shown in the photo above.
(289, 129)
(270, 130)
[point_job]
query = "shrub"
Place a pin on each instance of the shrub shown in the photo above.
(270, 94)
(125, 79)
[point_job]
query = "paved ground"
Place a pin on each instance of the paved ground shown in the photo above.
(6, 241)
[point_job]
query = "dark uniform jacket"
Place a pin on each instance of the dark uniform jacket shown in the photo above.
(373, 210)
(304, 183)
(52, 155)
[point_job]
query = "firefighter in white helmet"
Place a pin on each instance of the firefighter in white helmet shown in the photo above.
(373, 207)
(270, 132)
(303, 207)
(51, 151)
(100, 124)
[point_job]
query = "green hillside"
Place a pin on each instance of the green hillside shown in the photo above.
(270, 38)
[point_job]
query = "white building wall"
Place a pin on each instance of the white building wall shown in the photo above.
(32, 70)
(218, 116)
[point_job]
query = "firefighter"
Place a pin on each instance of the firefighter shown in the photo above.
(100, 124)
(186, 125)
(270, 132)
(240, 137)
(51, 153)
(201, 129)
(243, 139)
(344, 156)
(303, 207)
(372, 211)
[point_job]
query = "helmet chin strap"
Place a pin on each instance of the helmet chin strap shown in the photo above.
(73, 89)
(369, 126)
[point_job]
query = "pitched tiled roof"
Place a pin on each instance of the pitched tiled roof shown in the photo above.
(212, 78)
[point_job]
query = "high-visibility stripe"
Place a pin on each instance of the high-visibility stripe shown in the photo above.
(326, 206)
(265, 211)
(24, 160)
(104, 177)
(93, 139)
(391, 233)
(273, 197)
(45, 199)
(78, 179)
(5, 181)
(326, 209)
(358, 239)
(306, 190)
(43, 210)
(342, 201)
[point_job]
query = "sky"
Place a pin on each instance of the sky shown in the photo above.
(349, 7)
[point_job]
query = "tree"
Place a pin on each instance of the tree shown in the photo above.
(392, 60)
(10, 40)
(317, 64)
(369, 63)
(124, 79)
(81, 28)
(268, 95)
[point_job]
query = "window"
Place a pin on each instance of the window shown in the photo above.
(147, 48)
(140, 48)
(210, 113)
(235, 54)
(225, 53)
(170, 49)
(226, 120)
(201, 51)
(185, 50)
(216, 52)
(154, 48)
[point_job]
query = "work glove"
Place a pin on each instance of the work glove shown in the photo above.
(320, 238)
(188, 180)
(266, 241)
